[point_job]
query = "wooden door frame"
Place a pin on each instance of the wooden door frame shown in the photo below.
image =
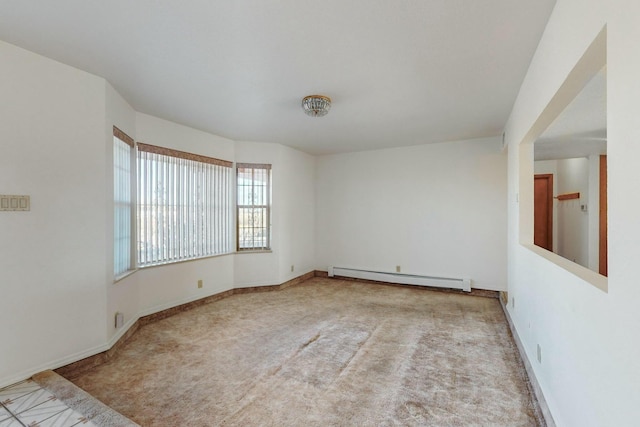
(603, 266)
(549, 178)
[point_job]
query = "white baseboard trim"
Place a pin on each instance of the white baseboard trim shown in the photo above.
(58, 363)
(55, 364)
(253, 285)
(166, 306)
(535, 386)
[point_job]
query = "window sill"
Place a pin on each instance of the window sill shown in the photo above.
(180, 261)
(124, 275)
(591, 277)
(142, 267)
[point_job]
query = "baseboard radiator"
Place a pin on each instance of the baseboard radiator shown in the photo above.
(402, 278)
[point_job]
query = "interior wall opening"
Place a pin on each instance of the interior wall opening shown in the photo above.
(563, 187)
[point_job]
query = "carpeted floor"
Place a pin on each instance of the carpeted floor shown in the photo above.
(322, 353)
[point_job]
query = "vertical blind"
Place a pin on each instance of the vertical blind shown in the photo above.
(122, 192)
(253, 206)
(185, 206)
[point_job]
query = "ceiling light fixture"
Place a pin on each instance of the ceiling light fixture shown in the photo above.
(316, 105)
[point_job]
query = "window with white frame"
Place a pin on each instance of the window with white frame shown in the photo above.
(253, 206)
(185, 208)
(123, 212)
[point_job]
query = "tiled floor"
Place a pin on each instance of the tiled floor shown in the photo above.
(27, 404)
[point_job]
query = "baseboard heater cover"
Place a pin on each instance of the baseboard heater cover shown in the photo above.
(402, 278)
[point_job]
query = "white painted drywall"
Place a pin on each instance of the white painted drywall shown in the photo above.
(297, 187)
(122, 296)
(58, 297)
(435, 209)
(573, 228)
(292, 216)
(252, 269)
(52, 260)
(589, 371)
(53, 301)
(570, 223)
(573, 223)
(169, 285)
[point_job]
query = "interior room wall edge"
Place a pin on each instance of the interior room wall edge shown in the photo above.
(588, 368)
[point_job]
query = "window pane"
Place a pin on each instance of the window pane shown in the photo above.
(122, 206)
(253, 210)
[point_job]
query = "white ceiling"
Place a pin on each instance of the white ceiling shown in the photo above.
(580, 130)
(399, 72)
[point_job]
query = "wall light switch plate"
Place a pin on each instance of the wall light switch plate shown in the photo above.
(15, 203)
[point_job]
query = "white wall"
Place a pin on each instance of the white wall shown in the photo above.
(297, 198)
(122, 296)
(173, 284)
(57, 292)
(570, 223)
(435, 209)
(169, 285)
(55, 301)
(252, 269)
(589, 372)
(52, 260)
(573, 223)
(292, 216)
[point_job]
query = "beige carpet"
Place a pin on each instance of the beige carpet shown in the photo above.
(323, 353)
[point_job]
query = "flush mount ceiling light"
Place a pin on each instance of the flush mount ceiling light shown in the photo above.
(316, 105)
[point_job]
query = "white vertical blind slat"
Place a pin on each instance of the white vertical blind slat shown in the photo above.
(183, 209)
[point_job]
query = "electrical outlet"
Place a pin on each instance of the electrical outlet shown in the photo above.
(119, 320)
(398, 269)
(513, 302)
(292, 268)
(200, 284)
(539, 354)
